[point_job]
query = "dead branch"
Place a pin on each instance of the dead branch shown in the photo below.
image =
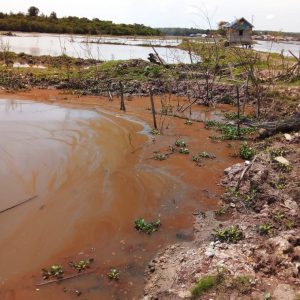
(16, 205)
(65, 278)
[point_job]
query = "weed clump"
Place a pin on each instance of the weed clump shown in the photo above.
(247, 152)
(232, 234)
(265, 229)
(143, 226)
(207, 283)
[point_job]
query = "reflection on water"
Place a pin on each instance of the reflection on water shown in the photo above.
(80, 46)
(275, 47)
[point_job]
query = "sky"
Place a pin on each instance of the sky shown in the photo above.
(279, 15)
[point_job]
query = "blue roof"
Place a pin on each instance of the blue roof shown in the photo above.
(239, 24)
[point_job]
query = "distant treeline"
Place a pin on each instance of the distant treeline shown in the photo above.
(182, 31)
(276, 33)
(33, 22)
(191, 31)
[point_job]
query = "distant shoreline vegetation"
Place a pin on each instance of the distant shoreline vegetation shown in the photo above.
(35, 22)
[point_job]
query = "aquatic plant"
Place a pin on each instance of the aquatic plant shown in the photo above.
(113, 274)
(229, 132)
(188, 122)
(160, 156)
(184, 150)
(180, 143)
(146, 227)
(54, 271)
(155, 131)
(81, 265)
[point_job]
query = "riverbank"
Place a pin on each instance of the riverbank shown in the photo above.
(259, 257)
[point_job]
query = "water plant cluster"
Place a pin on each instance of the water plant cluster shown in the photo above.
(229, 131)
(147, 227)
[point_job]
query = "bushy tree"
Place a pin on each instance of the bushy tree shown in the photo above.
(53, 15)
(33, 11)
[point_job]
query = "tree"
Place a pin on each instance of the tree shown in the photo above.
(53, 15)
(221, 28)
(33, 11)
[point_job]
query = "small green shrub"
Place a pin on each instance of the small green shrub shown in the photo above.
(265, 229)
(231, 234)
(204, 284)
(142, 225)
(246, 152)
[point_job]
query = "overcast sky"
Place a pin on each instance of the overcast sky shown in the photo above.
(266, 14)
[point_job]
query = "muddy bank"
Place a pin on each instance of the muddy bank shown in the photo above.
(85, 206)
(259, 258)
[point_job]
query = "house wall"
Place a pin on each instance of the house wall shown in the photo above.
(234, 37)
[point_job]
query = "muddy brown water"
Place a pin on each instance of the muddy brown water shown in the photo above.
(92, 173)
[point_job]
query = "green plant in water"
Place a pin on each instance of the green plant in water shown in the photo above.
(113, 274)
(265, 229)
(188, 122)
(246, 152)
(198, 158)
(184, 151)
(180, 143)
(142, 225)
(54, 271)
(231, 234)
(81, 265)
(155, 131)
(160, 156)
(229, 132)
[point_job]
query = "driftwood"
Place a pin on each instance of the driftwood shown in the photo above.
(64, 278)
(157, 55)
(244, 172)
(287, 125)
(18, 204)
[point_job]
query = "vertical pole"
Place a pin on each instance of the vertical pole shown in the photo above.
(238, 110)
(153, 108)
(122, 106)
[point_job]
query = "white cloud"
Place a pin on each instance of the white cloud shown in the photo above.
(270, 16)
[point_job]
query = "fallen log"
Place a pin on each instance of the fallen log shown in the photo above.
(288, 125)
